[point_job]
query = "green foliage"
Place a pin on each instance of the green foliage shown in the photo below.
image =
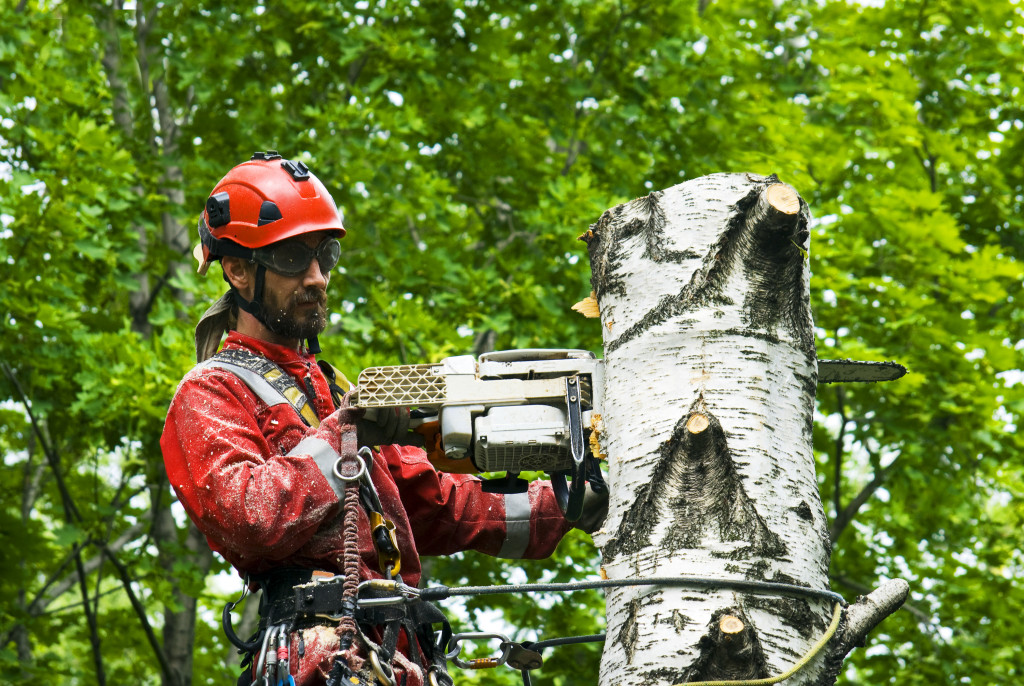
(469, 143)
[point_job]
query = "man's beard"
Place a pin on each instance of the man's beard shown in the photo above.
(289, 321)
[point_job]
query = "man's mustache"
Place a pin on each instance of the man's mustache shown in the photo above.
(311, 295)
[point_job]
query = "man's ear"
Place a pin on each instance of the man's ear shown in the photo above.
(240, 274)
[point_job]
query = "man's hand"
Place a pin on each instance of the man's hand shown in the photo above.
(595, 509)
(386, 426)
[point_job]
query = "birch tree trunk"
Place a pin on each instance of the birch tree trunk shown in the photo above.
(710, 376)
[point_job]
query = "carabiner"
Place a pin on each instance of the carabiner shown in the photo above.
(434, 680)
(263, 652)
(405, 593)
(478, 663)
(384, 674)
(283, 641)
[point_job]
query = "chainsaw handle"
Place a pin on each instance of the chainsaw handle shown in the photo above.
(570, 495)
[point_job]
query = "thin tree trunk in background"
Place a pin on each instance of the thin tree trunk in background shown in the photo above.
(179, 622)
(711, 373)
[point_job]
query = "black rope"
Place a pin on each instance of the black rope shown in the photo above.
(565, 641)
(697, 582)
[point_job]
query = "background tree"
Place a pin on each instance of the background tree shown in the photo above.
(470, 143)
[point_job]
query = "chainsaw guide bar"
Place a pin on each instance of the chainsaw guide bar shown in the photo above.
(842, 371)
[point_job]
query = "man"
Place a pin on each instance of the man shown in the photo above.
(253, 438)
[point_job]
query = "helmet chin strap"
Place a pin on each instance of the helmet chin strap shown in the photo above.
(254, 306)
(256, 309)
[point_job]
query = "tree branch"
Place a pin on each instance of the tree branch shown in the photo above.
(868, 612)
(140, 612)
(354, 70)
(90, 619)
(175, 235)
(71, 516)
(45, 598)
(844, 518)
(72, 606)
(862, 589)
(928, 161)
(111, 62)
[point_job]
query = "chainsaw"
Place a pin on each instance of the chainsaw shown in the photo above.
(525, 410)
(510, 411)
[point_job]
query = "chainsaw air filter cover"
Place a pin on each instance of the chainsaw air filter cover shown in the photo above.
(520, 438)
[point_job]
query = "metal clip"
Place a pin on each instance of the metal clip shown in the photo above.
(404, 593)
(386, 543)
(437, 678)
(326, 579)
(522, 658)
(341, 477)
(283, 640)
(478, 663)
(370, 496)
(383, 672)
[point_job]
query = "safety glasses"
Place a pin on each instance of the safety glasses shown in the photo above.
(292, 258)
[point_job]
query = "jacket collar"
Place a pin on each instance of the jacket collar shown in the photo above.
(280, 354)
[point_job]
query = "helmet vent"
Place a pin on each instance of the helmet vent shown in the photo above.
(298, 170)
(218, 209)
(269, 212)
(268, 155)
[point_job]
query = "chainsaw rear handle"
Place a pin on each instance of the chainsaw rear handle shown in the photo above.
(570, 495)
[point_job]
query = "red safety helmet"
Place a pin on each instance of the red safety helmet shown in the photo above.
(263, 201)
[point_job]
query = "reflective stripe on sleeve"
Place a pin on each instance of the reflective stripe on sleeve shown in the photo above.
(325, 457)
(517, 525)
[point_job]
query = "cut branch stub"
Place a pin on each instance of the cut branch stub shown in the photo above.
(697, 423)
(730, 651)
(730, 625)
(783, 198)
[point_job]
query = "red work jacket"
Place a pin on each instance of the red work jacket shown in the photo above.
(258, 482)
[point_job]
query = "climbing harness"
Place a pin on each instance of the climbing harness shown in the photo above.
(295, 599)
(377, 601)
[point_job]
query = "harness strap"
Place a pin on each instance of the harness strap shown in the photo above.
(264, 378)
(337, 382)
(296, 594)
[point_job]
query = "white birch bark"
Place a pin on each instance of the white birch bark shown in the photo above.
(710, 375)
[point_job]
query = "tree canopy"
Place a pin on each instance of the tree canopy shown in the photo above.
(469, 143)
